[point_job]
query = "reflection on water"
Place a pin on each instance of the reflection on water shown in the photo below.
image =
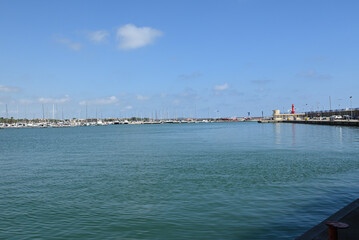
(340, 135)
(293, 133)
(277, 135)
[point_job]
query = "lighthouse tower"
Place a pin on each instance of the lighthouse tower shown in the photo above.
(293, 111)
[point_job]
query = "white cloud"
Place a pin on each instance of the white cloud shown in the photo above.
(73, 45)
(25, 101)
(54, 100)
(191, 76)
(310, 73)
(98, 36)
(132, 37)
(314, 75)
(221, 87)
(128, 107)
(188, 95)
(100, 101)
(6, 99)
(8, 89)
(142, 98)
(261, 82)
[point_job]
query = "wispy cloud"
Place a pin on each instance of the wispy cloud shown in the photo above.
(314, 75)
(260, 82)
(132, 37)
(128, 107)
(25, 101)
(191, 76)
(8, 89)
(310, 73)
(98, 36)
(318, 59)
(100, 101)
(73, 45)
(248, 64)
(188, 95)
(234, 92)
(142, 98)
(54, 100)
(6, 99)
(221, 87)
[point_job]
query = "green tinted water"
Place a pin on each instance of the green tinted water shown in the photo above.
(197, 181)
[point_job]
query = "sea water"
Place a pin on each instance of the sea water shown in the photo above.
(174, 181)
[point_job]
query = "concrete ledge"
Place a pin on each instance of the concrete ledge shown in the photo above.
(353, 123)
(270, 121)
(349, 214)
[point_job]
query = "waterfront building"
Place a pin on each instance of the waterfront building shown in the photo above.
(287, 116)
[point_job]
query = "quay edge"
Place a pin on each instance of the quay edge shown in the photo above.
(349, 214)
(353, 123)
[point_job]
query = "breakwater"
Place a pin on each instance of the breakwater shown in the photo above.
(353, 123)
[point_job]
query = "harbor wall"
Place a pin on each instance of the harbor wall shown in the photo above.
(354, 123)
(353, 112)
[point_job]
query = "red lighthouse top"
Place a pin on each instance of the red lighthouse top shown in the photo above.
(293, 111)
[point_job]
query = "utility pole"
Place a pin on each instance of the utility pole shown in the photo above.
(43, 112)
(7, 114)
(351, 108)
(195, 111)
(339, 102)
(330, 103)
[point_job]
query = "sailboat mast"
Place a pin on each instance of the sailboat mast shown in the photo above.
(43, 112)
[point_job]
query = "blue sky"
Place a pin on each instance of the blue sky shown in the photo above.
(185, 58)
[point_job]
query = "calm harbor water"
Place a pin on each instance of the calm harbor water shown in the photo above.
(185, 181)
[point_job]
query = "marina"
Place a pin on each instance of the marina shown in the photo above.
(40, 123)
